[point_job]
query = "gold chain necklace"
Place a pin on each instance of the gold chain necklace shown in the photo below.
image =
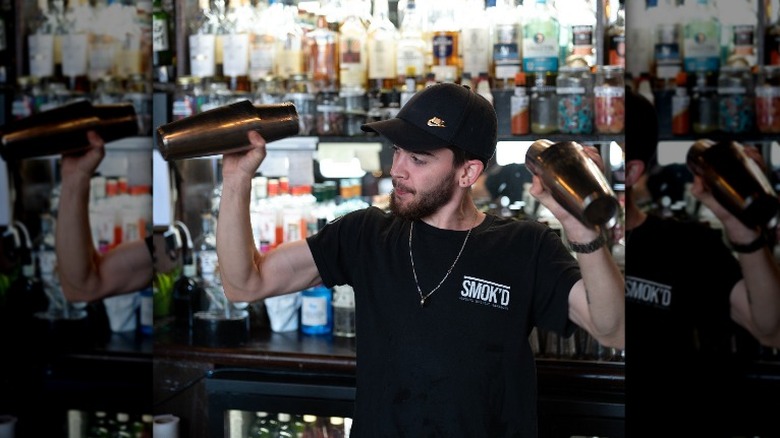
(414, 271)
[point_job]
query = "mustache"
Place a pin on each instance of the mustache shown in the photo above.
(399, 186)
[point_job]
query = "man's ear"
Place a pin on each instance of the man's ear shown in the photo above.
(634, 170)
(472, 169)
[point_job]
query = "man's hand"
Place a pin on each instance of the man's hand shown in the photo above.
(84, 163)
(246, 162)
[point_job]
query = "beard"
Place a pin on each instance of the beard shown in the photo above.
(426, 202)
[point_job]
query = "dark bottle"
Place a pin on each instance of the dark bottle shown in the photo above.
(64, 129)
(188, 294)
(163, 53)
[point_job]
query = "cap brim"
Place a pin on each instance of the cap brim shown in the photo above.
(405, 135)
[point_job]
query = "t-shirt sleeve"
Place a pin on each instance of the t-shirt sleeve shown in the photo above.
(334, 247)
(557, 272)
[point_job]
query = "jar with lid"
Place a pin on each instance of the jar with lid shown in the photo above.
(329, 113)
(767, 97)
(185, 97)
(574, 90)
(299, 93)
(736, 110)
(267, 90)
(544, 117)
(609, 101)
(704, 103)
(355, 110)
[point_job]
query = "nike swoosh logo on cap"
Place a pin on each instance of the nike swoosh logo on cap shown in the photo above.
(436, 122)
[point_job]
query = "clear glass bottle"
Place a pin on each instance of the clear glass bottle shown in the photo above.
(544, 116)
(609, 99)
(475, 38)
(704, 103)
(203, 42)
(381, 48)
(574, 89)
(410, 52)
(701, 37)
(507, 43)
(353, 50)
(344, 311)
(541, 33)
(615, 40)
(322, 59)
(445, 42)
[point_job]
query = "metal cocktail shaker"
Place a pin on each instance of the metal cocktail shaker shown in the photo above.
(63, 129)
(224, 129)
(574, 180)
(736, 180)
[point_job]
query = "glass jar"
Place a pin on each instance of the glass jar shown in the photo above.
(767, 97)
(574, 92)
(329, 113)
(355, 110)
(609, 101)
(185, 97)
(736, 110)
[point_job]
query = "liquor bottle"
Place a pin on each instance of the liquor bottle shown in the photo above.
(738, 33)
(317, 311)
(289, 45)
(381, 49)
(25, 296)
(507, 42)
(410, 53)
(188, 294)
(616, 37)
(445, 40)
(262, 45)
(163, 52)
(520, 121)
(235, 46)
(475, 39)
(203, 42)
(206, 253)
(353, 49)
(577, 33)
(40, 43)
(541, 34)
(322, 67)
(772, 42)
(701, 38)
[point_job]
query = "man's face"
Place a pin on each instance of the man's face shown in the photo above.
(423, 182)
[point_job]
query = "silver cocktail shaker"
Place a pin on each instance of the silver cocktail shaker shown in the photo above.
(63, 129)
(224, 129)
(575, 181)
(735, 179)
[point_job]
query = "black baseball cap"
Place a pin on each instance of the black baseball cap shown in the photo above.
(442, 115)
(641, 128)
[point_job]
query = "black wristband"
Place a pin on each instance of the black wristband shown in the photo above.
(753, 246)
(587, 248)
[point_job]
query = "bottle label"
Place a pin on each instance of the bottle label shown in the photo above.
(160, 41)
(202, 55)
(617, 50)
(235, 52)
(520, 115)
(382, 55)
(476, 49)
(314, 311)
(74, 55)
(680, 115)
(540, 52)
(41, 55)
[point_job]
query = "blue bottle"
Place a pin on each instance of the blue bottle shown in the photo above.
(317, 311)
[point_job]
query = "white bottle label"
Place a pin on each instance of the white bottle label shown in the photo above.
(74, 54)
(41, 55)
(235, 52)
(202, 55)
(314, 311)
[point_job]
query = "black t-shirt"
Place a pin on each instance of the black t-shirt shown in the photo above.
(462, 365)
(678, 327)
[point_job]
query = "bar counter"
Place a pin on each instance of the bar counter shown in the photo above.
(315, 374)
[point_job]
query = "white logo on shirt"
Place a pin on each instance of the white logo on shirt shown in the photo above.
(648, 292)
(488, 293)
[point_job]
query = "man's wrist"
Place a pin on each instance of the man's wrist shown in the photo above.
(588, 247)
(758, 243)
